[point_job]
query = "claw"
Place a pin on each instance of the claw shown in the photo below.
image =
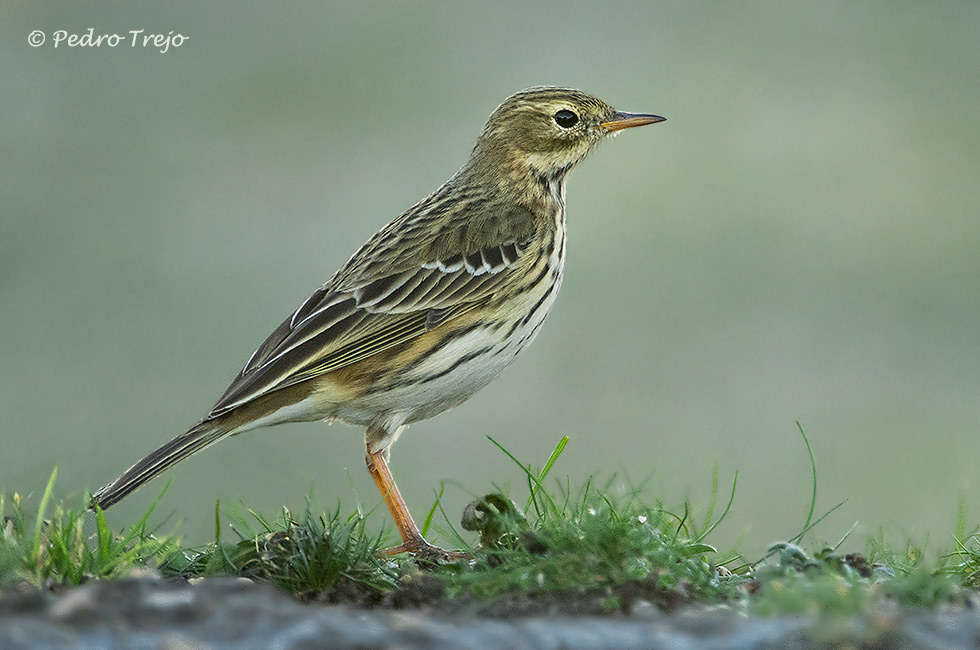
(423, 550)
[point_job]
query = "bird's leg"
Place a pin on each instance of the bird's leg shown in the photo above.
(378, 468)
(412, 540)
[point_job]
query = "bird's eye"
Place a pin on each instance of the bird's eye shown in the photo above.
(565, 118)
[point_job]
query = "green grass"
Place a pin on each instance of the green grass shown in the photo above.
(303, 556)
(587, 542)
(68, 546)
(565, 545)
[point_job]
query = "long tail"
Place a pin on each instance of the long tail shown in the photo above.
(200, 436)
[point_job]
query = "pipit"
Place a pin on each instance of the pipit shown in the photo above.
(430, 310)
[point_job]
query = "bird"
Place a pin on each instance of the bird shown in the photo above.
(429, 310)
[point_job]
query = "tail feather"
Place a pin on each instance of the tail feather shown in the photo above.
(197, 438)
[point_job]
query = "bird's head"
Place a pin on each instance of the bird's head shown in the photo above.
(548, 130)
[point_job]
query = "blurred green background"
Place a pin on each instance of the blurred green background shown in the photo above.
(799, 241)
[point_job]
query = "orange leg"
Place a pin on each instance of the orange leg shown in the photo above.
(412, 540)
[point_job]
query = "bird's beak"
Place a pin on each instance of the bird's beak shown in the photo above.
(623, 120)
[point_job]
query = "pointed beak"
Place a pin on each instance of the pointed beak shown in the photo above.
(623, 120)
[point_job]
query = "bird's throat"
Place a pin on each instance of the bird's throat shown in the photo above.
(551, 184)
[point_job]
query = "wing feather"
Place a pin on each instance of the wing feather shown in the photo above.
(358, 314)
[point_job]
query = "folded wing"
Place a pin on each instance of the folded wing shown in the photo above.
(373, 304)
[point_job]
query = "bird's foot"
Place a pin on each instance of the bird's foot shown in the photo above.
(422, 550)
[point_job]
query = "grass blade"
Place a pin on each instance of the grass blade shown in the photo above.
(42, 507)
(731, 499)
(432, 510)
(560, 447)
(813, 495)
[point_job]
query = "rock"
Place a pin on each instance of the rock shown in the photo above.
(232, 614)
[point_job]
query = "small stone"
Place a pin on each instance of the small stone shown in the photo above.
(170, 599)
(75, 606)
(144, 573)
(644, 610)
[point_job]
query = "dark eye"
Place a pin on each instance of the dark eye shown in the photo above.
(565, 118)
